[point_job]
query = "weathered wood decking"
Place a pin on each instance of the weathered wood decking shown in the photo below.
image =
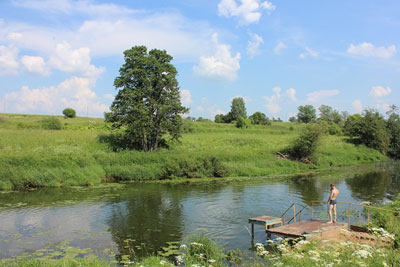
(305, 228)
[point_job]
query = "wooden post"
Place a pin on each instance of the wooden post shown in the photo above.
(368, 217)
(348, 215)
(269, 234)
(294, 213)
(312, 211)
(252, 230)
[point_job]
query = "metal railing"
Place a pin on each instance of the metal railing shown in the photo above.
(283, 216)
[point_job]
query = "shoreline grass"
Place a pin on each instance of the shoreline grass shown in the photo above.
(34, 157)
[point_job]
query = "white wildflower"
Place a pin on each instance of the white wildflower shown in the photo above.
(163, 262)
(297, 256)
(183, 246)
(362, 253)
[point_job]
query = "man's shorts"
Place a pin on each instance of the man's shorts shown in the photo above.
(332, 202)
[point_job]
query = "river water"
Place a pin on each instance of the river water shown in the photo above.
(141, 218)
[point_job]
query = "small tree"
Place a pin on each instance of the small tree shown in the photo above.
(69, 113)
(147, 108)
(306, 114)
(304, 147)
(259, 118)
(393, 126)
(292, 119)
(238, 109)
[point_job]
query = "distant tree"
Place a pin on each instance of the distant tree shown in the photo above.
(306, 114)
(329, 114)
(190, 118)
(200, 119)
(393, 126)
(259, 118)
(238, 109)
(219, 118)
(353, 125)
(69, 113)
(344, 115)
(147, 109)
(292, 119)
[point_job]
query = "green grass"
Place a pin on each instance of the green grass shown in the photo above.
(32, 157)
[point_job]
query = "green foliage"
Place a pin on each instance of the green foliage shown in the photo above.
(238, 108)
(306, 114)
(69, 113)
(304, 147)
(292, 119)
(51, 123)
(393, 127)
(219, 118)
(369, 130)
(147, 107)
(259, 118)
(191, 167)
(74, 156)
(330, 115)
(241, 123)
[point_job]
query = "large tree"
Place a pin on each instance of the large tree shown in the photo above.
(147, 107)
(238, 108)
(306, 114)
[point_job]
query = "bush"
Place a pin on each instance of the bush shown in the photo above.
(69, 113)
(304, 147)
(194, 168)
(51, 123)
(241, 123)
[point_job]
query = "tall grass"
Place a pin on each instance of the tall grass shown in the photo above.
(32, 157)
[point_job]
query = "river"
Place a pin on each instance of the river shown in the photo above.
(141, 218)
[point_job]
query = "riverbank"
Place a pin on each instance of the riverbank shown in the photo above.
(34, 157)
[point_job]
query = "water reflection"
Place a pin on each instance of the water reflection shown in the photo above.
(139, 219)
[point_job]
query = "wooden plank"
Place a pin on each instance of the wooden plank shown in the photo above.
(265, 220)
(303, 227)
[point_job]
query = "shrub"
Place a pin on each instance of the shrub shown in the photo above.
(190, 167)
(69, 113)
(304, 147)
(51, 123)
(241, 123)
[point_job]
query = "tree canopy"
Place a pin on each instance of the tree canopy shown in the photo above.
(306, 114)
(147, 108)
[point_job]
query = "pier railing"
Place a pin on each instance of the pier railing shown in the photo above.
(295, 215)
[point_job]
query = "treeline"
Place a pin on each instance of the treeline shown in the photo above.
(370, 128)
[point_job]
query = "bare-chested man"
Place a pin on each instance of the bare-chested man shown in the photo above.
(332, 202)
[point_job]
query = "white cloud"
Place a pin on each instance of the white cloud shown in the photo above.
(357, 106)
(254, 44)
(74, 60)
(14, 36)
(186, 96)
(318, 96)
(75, 92)
(272, 105)
(310, 52)
(291, 93)
(200, 109)
(279, 47)
(35, 65)
(379, 91)
(249, 11)
(8, 60)
(369, 50)
(222, 65)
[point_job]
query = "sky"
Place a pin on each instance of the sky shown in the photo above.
(275, 54)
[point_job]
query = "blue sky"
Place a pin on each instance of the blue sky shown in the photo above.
(277, 55)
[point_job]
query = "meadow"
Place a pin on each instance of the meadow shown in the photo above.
(34, 157)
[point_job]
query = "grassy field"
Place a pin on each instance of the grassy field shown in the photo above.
(31, 156)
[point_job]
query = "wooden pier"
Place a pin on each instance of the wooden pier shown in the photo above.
(305, 228)
(267, 221)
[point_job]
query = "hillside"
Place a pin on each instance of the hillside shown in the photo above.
(32, 157)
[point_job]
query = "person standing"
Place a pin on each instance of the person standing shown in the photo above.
(332, 202)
